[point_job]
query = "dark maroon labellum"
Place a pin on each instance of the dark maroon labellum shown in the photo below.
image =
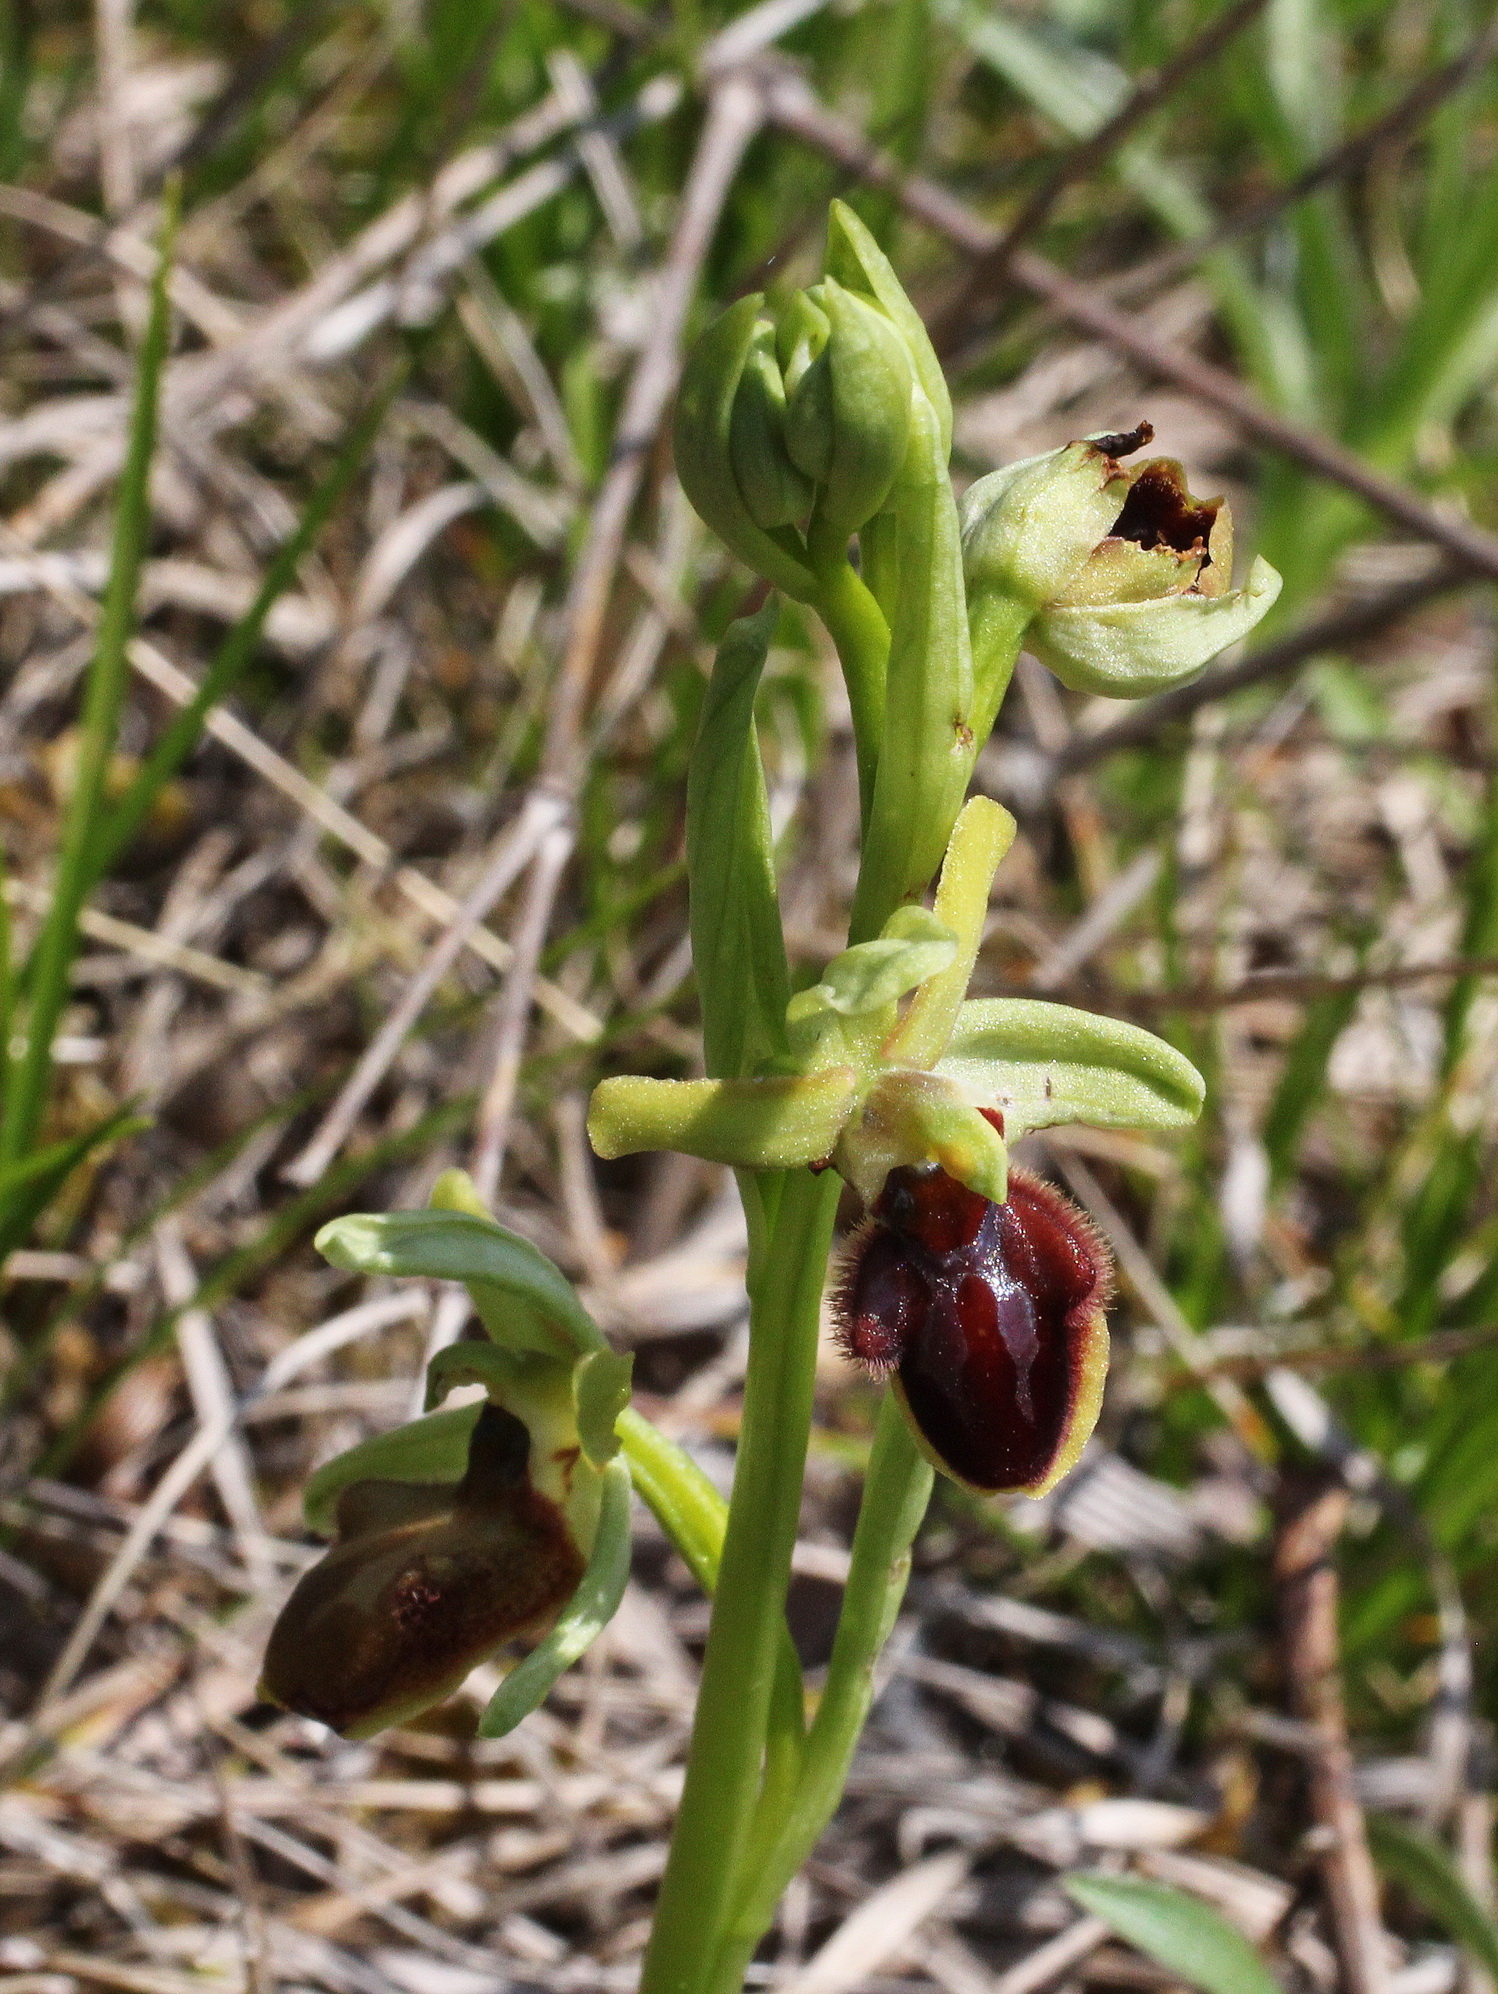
(991, 1318)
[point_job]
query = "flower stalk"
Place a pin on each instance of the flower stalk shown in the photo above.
(814, 440)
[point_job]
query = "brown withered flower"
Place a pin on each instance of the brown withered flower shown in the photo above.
(424, 1581)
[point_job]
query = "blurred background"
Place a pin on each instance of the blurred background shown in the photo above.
(411, 881)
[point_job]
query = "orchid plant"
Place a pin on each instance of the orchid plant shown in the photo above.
(815, 442)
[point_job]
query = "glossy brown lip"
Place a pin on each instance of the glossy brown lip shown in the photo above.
(987, 1314)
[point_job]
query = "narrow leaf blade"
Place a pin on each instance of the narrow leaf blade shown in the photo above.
(1184, 1935)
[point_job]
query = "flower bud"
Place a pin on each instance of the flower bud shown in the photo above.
(774, 492)
(990, 1320)
(424, 1581)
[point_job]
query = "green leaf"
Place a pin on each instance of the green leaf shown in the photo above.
(1046, 1064)
(26, 1077)
(736, 939)
(500, 1268)
(589, 1611)
(1430, 1876)
(433, 1449)
(1181, 1933)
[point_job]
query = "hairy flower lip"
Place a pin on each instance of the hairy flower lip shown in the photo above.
(989, 1321)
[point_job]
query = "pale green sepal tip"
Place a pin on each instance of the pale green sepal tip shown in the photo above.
(1043, 1065)
(433, 1449)
(1125, 650)
(583, 1619)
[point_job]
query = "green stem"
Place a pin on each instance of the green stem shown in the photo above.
(858, 629)
(739, 1670)
(896, 1492)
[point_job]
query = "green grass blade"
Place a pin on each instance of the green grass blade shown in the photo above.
(28, 1187)
(238, 648)
(1427, 1872)
(52, 957)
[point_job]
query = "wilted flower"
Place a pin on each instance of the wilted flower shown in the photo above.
(1119, 578)
(990, 1320)
(425, 1581)
(476, 1525)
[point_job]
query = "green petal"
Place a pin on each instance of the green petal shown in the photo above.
(434, 1449)
(871, 976)
(1046, 1064)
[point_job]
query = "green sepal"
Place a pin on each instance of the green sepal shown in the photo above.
(737, 943)
(583, 1619)
(858, 263)
(859, 390)
(704, 448)
(1029, 527)
(1046, 1064)
(1126, 650)
(774, 1123)
(678, 1494)
(500, 1268)
(433, 1449)
(601, 1384)
(774, 492)
(873, 975)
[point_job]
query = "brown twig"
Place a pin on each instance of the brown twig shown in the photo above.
(1312, 1511)
(1341, 163)
(1302, 988)
(987, 275)
(794, 106)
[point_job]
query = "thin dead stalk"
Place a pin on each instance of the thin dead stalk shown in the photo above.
(1312, 1511)
(735, 112)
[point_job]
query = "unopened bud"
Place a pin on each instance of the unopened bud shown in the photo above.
(990, 1320)
(774, 492)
